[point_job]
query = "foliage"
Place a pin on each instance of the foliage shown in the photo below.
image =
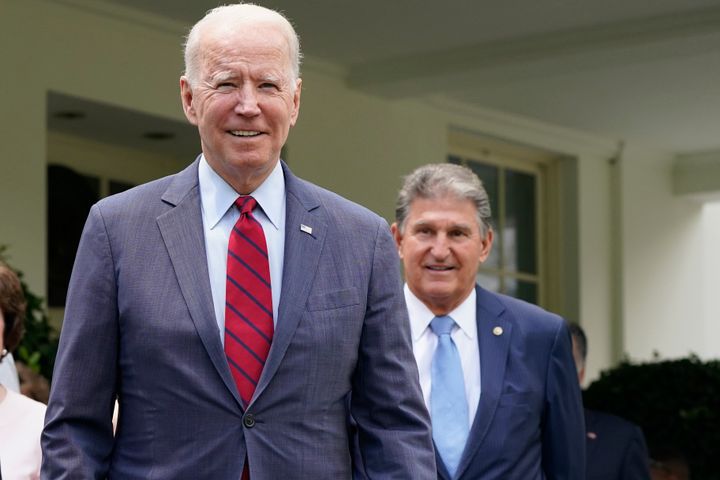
(677, 404)
(39, 344)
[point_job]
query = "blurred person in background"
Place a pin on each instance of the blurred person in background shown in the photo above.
(615, 448)
(21, 418)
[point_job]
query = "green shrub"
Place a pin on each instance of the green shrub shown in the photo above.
(676, 402)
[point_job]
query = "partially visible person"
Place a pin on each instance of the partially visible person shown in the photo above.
(615, 447)
(669, 465)
(497, 373)
(21, 418)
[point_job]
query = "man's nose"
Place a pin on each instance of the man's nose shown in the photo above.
(247, 101)
(440, 247)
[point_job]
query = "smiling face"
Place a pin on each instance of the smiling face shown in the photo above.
(441, 247)
(244, 102)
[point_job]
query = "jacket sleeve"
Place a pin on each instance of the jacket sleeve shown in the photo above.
(78, 439)
(636, 460)
(393, 426)
(563, 428)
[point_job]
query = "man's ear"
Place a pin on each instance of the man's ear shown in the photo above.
(296, 102)
(186, 97)
(397, 235)
(486, 245)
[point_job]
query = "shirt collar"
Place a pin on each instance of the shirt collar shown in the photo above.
(421, 316)
(218, 196)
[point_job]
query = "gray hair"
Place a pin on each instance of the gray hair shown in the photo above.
(439, 180)
(238, 14)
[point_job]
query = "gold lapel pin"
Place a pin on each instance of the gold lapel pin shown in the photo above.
(497, 331)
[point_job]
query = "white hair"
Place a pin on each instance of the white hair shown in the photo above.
(238, 15)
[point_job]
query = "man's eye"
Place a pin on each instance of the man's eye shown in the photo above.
(225, 86)
(268, 85)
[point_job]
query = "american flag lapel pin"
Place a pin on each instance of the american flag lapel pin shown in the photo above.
(306, 229)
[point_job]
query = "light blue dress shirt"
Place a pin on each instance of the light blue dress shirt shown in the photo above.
(216, 198)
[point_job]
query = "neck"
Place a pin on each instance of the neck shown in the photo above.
(3, 392)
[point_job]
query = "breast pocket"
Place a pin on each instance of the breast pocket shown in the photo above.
(516, 399)
(347, 297)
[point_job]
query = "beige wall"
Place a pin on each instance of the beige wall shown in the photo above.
(670, 264)
(709, 283)
(360, 146)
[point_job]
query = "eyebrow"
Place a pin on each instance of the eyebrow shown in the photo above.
(221, 76)
(425, 223)
(269, 77)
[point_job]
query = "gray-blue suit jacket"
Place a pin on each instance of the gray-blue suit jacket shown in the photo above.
(529, 423)
(139, 325)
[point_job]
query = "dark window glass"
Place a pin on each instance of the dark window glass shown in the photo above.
(520, 289)
(489, 176)
(519, 236)
(70, 196)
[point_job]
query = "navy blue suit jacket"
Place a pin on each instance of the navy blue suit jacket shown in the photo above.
(615, 448)
(529, 423)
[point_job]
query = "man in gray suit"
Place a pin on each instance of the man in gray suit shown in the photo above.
(237, 341)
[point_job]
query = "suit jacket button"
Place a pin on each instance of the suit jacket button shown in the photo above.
(249, 420)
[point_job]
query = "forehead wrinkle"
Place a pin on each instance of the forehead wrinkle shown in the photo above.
(239, 68)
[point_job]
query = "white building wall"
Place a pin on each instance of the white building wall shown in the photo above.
(664, 261)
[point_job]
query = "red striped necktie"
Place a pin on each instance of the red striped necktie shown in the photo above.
(248, 301)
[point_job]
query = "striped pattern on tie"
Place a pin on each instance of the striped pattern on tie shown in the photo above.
(248, 301)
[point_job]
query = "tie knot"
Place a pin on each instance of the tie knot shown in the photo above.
(442, 325)
(245, 204)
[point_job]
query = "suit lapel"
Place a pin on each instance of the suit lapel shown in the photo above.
(182, 231)
(494, 349)
(302, 254)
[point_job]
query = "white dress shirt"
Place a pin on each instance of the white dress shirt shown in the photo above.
(216, 198)
(464, 335)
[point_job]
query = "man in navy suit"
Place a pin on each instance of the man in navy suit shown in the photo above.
(515, 411)
(153, 319)
(615, 447)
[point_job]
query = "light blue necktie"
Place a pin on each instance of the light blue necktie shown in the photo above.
(448, 403)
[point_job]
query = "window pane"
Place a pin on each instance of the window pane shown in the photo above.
(70, 196)
(454, 160)
(489, 176)
(489, 281)
(519, 245)
(521, 289)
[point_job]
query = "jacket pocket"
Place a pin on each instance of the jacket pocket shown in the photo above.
(331, 300)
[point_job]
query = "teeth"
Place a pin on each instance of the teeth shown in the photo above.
(244, 133)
